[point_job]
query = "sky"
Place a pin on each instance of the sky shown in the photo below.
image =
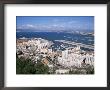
(54, 23)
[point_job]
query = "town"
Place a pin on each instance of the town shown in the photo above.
(72, 60)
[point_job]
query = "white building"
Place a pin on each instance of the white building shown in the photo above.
(75, 59)
(65, 54)
(62, 71)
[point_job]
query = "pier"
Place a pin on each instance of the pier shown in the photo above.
(74, 43)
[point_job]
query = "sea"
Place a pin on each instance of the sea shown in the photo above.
(52, 36)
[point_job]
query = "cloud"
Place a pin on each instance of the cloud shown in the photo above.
(30, 26)
(56, 25)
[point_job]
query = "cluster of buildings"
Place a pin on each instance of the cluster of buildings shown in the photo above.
(75, 57)
(40, 49)
(33, 47)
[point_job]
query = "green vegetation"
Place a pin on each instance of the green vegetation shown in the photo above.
(90, 69)
(41, 68)
(86, 70)
(27, 66)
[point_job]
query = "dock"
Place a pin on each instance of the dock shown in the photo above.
(77, 44)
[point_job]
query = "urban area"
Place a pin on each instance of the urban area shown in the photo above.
(44, 59)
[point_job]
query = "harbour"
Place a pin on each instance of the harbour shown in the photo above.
(77, 44)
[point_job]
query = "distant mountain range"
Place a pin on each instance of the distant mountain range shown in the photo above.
(66, 31)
